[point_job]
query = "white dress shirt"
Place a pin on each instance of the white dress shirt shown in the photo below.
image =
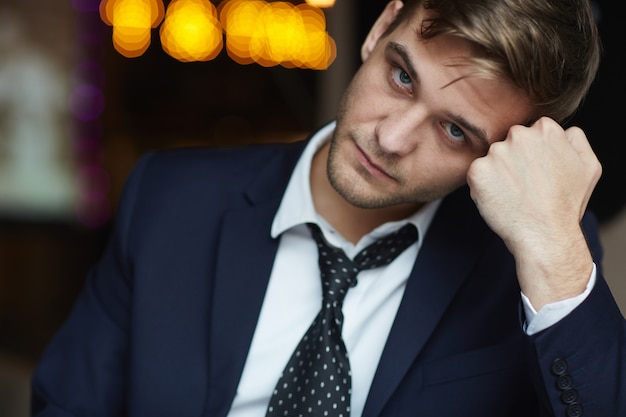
(294, 294)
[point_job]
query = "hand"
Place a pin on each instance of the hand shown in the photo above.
(532, 189)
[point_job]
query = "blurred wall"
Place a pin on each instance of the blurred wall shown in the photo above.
(613, 235)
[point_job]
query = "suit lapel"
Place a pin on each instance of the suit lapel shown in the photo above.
(246, 253)
(242, 274)
(445, 260)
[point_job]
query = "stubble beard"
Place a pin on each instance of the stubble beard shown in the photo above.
(348, 185)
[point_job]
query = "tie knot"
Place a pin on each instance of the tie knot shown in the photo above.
(339, 272)
(384, 250)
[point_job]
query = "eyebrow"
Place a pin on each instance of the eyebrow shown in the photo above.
(401, 51)
(476, 131)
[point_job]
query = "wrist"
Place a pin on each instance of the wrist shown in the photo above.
(551, 271)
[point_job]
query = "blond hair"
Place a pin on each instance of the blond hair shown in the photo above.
(550, 49)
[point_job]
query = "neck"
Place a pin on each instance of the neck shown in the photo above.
(351, 221)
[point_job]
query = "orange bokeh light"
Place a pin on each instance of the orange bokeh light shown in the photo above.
(191, 31)
(256, 31)
(276, 33)
(321, 3)
(135, 12)
(131, 21)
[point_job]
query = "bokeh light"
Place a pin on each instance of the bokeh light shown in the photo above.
(191, 31)
(119, 12)
(86, 104)
(321, 3)
(256, 31)
(276, 33)
(132, 21)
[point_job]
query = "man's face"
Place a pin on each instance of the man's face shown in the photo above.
(408, 128)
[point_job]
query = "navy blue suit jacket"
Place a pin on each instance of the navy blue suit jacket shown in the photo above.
(166, 317)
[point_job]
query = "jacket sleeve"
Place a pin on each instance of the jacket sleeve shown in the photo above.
(83, 371)
(582, 358)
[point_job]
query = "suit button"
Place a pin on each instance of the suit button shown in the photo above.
(574, 410)
(569, 396)
(559, 366)
(564, 382)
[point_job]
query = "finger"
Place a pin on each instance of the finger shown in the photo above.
(577, 138)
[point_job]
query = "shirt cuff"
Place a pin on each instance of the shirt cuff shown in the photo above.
(550, 314)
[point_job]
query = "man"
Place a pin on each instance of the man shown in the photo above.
(498, 309)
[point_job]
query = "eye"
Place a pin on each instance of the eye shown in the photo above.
(402, 78)
(454, 132)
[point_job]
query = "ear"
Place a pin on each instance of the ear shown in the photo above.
(380, 26)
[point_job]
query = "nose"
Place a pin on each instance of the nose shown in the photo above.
(398, 132)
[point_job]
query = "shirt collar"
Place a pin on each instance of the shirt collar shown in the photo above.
(297, 208)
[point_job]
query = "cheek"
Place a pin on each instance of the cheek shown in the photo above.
(363, 98)
(355, 104)
(443, 171)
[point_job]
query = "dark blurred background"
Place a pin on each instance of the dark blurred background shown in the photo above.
(98, 111)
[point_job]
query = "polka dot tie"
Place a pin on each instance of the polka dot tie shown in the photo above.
(316, 381)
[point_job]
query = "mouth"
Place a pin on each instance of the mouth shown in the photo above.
(372, 168)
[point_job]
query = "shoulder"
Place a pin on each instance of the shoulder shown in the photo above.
(202, 160)
(207, 167)
(188, 186)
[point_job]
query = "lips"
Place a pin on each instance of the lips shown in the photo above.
(374, 169)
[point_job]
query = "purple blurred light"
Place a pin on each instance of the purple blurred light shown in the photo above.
(86, 102)
(86, 5)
